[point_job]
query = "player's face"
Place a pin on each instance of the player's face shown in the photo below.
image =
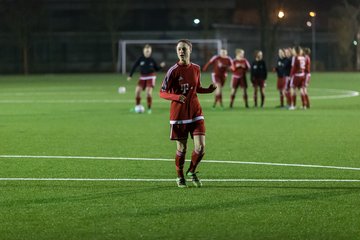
(183, 51)
(147, 52)
(240, 54)
(288, 52)
(259, 55)
(223, 53)
(281, 53)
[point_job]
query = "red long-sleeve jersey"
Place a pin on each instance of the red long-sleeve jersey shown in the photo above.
(298, 66)
(183, 80)
(240, 67)
(221, 65)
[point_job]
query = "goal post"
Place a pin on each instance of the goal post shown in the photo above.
(164, 50)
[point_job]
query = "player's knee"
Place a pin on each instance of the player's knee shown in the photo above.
(200, 148)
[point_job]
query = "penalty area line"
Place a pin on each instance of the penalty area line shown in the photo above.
(172, 180)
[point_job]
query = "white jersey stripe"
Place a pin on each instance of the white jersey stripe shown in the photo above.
(187, 120)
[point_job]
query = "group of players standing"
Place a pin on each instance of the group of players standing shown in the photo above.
(292, 68)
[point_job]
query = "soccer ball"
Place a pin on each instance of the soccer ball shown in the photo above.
(139, 109)
(122, 90)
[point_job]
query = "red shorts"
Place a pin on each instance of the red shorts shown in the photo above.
(147, 80)
(297, 82)
(237, 81)
(181, 131)
(281, 83)
(258, 82)
(218, 79)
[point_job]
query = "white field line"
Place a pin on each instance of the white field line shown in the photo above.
(171, 160)
(339, 94)
(172, 180)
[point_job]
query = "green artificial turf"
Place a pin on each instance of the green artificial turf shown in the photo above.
(83, 115)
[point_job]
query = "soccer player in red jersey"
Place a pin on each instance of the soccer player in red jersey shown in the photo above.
(221, 64)
(258, 76)
(181, 85)
(240, 67)
(148, 67)
(307, 53)
(281, 75)
(297, 77)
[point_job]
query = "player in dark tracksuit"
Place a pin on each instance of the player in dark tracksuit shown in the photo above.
(287, 63)
(148, 69)
(258, 76)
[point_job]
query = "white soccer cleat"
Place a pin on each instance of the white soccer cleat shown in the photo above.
(181, 182)
(194, 179)
(292, 108)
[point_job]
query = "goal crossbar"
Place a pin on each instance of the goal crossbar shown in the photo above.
(121, 63)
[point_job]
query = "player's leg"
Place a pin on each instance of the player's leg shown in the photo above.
(197, 132)
(306, 91)
(232, 96)
(292, 93)
(243, 85)
(196, 157)
(262, 92)
(255, 94)
(180, 162)
(287, 91)
(149, 97)
(138, 90)
(303, 98)
(221, 84)
(234, 86)
(217, 93)
(280, 86)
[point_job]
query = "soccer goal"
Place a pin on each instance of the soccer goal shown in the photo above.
(164, 51)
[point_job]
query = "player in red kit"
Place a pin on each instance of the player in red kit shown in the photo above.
(307, 53)
(221, 64)
(240, 67)
(297, 75)
(181, 85)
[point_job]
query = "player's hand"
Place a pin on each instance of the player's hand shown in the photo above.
(212, 87)
(182, 98)
(128, 78)
(162, 64)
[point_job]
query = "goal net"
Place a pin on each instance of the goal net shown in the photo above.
(164, 51)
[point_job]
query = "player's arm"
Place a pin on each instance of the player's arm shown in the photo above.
(200, 89)
(158, 67)
(136, 64)
(210, 89)
(208, 63)
(165, 93)
(265, 70)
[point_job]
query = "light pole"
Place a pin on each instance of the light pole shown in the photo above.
(313, 36)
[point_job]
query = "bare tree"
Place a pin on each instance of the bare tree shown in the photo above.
(22, 17)
(110, 13)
